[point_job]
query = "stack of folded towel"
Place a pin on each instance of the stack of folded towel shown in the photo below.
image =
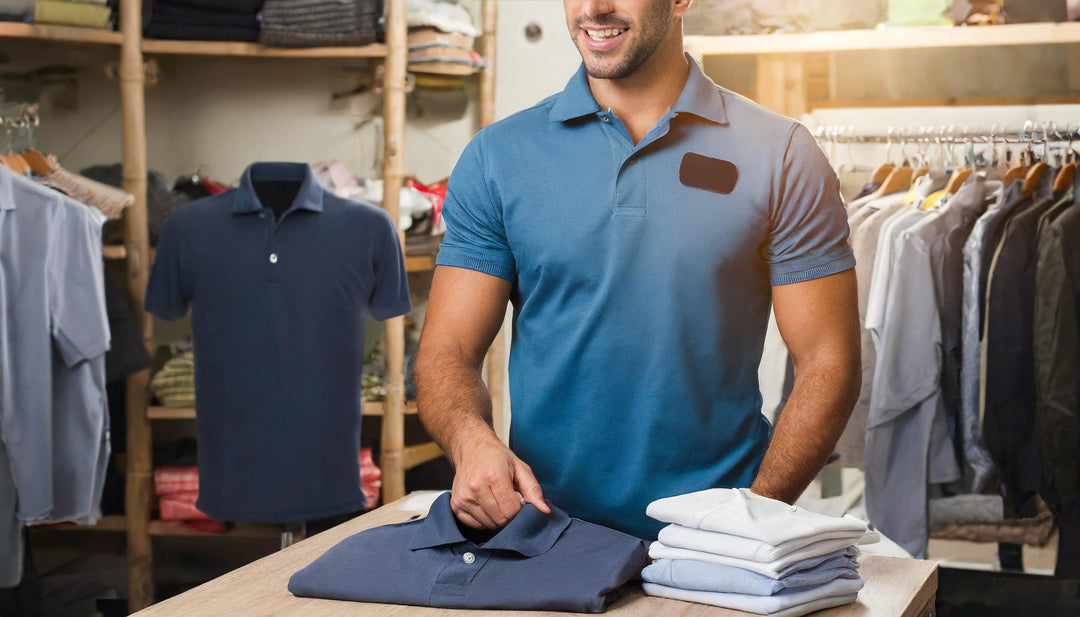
(738, 550)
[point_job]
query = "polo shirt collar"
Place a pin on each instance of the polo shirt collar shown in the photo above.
(7, 194)
(700, 96)
(530, 533)
(576, 99)
(309, 197)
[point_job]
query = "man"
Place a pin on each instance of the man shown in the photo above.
(640, 222)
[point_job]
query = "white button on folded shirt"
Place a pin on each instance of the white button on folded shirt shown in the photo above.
(468, 558)
(739, 512)
(273, 258)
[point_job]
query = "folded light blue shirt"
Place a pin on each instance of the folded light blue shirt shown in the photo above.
(537, 562)
(705, 576)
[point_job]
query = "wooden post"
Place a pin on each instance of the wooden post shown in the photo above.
(781, 84)
(136, 239)
(391, 457)
(495, 362)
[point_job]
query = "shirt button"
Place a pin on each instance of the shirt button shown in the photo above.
(605, 118)
(273, 258)
(633, 160)
(468, 558)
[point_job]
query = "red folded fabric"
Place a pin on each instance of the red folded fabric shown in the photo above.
(176, 480)
(180, 507)
(370, 477)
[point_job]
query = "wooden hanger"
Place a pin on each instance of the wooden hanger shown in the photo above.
(899, 179)
(1031, 180)
(39, 163)
(881, 173)
(1064, 179)
(956, 180)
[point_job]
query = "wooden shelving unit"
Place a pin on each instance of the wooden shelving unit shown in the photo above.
(395, 457)
(783, 59)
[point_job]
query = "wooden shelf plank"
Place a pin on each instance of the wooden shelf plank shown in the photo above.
(67, 34)
(890, 38)
(215, 48)
(114, 252)
(420, 454)
(117, 523)
(188, 413)
(419, 263)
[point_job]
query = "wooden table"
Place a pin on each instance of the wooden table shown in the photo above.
(893, 588)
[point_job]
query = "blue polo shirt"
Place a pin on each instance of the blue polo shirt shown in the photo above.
(642, 284)
(278, 308)
(537, 562)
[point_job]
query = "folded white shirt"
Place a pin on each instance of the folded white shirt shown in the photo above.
(739, 512)
(726, 600)
(798, 549)
(776, 569)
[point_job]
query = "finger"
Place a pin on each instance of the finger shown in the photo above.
(468, 520)
(529, 488)
(481, 504)
(506, 501)
(471, 513)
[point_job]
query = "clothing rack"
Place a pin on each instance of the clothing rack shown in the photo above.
(1045, 133)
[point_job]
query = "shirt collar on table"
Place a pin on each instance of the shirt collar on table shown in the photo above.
(700, 96)
(530, 533)
(309, 197)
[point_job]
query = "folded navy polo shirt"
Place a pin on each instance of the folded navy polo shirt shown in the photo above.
(537, 562)
(280, 276)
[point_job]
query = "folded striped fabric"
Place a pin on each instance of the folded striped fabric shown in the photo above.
(312, 23)
(174, 384)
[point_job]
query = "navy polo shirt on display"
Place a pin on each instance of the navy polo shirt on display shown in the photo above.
(642, 282)
(537, 562)
(280, 275)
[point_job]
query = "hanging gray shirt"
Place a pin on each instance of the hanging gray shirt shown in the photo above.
(52, 411)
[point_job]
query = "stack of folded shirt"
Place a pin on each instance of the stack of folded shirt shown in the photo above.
(202, 20)
(738, 550)
(320, 23)
(174, 384)
(84, 13)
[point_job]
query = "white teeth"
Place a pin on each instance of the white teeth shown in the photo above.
(600, 35)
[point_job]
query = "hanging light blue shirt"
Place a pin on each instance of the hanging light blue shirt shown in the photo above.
(641, 290)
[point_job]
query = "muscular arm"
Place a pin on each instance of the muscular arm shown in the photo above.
(819, 322)
(465, 310)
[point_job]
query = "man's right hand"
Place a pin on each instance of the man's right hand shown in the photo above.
(487, 476)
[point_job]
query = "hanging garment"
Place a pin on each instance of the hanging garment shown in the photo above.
(947, 259)
(908, 443)
(11, 529)
(789, 603)
(1008, 360)
(53, 415)
(705, 576)
(537, 562)
(977, 254)
(279, 274)
(1057, 380)
(865, 227)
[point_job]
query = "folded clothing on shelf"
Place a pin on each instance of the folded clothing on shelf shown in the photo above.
(174, 384)
(177, 489)
(16, 10)
(201, 21)
(735, 549)
(317, 23)
(67, 13)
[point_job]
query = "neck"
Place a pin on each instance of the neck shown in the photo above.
(639, 100)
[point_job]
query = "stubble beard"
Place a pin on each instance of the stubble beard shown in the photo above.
(648, 36)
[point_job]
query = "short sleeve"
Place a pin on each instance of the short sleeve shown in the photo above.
(170, 289)
(809, 229)
(390, 296)
(79, 321)
(475, 235)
